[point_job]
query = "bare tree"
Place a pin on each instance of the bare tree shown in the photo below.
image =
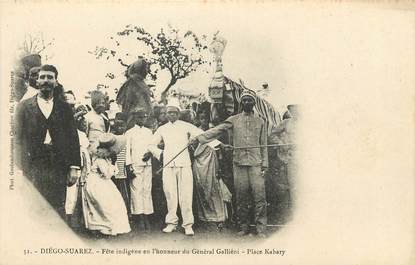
(35, 44)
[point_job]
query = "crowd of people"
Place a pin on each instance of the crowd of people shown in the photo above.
(110, 176)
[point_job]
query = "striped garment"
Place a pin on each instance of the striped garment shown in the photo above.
(262, 107)
(121, 171)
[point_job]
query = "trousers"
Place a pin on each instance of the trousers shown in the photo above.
(49, 178)
(250, 192)
(178, 188)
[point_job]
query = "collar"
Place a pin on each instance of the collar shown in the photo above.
(248, 114)
(101, 115)
(176, 122)
(42, 100)
(105, 117)
(31, 88)
(139, 127)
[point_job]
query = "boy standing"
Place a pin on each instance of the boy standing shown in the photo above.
(138, 138)
(120, 178)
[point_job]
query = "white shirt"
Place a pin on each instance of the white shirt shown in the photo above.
(31, 91)
(175, 137)
(138, 139)
(83, 140)
(45, 107)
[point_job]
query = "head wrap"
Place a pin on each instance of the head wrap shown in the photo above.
(34, 70)
(248, 93)
(96, 96)
(139, 112)
(139, 69)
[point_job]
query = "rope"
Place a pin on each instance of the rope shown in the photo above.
(260, 146)
(233, 147)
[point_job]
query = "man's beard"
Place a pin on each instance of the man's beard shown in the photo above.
(46, 90)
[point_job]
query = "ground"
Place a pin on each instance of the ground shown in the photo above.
(204, 232)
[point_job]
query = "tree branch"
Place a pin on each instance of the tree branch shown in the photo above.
(122, 63)
(167, 48)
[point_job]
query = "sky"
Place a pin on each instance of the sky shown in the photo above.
(259, 47)
(298, 50)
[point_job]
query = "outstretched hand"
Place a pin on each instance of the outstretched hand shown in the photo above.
(226, 147)
(193, 141)
(130, 172)
(146, 156)
(263, 170)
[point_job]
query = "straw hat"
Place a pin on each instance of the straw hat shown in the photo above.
(108, 144)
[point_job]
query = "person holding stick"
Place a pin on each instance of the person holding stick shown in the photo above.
(250, 159)
(177, 171)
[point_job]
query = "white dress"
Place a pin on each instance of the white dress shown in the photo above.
(105, 207)
(73, 191)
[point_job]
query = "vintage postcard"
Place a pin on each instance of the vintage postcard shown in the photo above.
(209, 132)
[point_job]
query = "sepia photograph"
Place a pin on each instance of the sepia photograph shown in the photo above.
(240, 132)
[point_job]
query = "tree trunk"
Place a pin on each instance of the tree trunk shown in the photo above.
(163, 98)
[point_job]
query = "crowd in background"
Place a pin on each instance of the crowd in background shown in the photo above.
(110, 175)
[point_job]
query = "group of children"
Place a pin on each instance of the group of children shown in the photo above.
(115, 189)
(104, 200)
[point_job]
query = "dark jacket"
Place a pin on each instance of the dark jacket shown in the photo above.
(30, 130)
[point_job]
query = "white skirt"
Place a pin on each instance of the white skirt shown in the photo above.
(104, 207)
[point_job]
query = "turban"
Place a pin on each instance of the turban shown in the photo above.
(248, 93)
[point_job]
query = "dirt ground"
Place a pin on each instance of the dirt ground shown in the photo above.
(278, 216)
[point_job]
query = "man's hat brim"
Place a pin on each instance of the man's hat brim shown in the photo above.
(111, 142)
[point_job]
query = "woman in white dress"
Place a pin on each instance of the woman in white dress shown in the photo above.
(105, 210)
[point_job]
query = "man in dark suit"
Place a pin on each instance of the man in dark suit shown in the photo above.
(47, 143)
